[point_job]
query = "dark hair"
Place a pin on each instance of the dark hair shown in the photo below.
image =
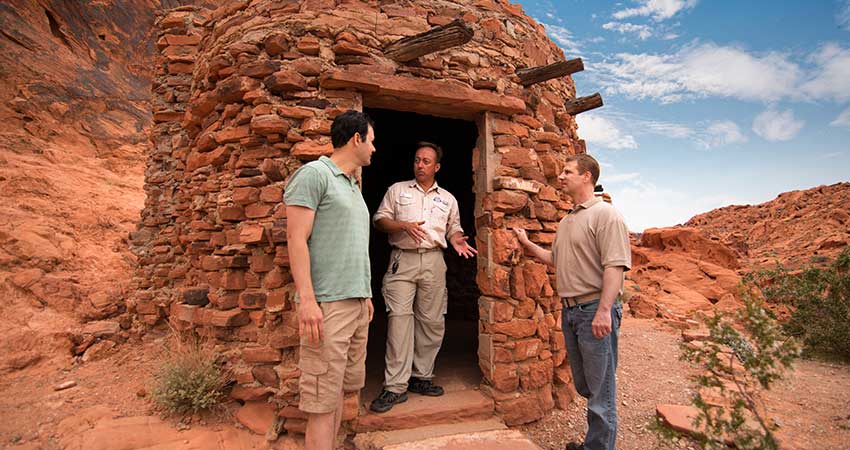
(432, 146)
(586, 163)
(347, 124)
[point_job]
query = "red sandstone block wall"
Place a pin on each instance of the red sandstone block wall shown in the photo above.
(241, 100)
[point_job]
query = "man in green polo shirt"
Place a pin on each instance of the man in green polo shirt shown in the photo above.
(328, 240)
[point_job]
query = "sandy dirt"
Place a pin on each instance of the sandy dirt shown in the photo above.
(811, 405)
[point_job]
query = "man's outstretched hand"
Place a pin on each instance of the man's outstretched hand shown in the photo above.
(462, 247)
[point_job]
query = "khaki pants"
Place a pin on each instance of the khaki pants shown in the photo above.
(338, 362)
(416, 300)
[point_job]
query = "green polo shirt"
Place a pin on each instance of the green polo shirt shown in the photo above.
(339, 242)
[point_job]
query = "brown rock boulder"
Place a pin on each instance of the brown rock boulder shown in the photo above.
(257, 416)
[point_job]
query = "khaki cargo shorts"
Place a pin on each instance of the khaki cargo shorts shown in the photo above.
(338, 362)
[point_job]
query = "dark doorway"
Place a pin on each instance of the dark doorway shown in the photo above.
(396, 136)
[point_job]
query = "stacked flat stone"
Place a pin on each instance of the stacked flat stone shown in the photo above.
(245, 94)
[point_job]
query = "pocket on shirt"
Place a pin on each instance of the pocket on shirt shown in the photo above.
(440, 213)
(405, 209)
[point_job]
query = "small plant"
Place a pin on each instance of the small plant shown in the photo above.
(819, 300)
(190, 380)
(745, 354)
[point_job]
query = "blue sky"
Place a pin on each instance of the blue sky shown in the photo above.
(708, 102)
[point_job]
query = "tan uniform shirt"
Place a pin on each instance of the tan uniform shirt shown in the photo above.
(407, 202)
(591, 237)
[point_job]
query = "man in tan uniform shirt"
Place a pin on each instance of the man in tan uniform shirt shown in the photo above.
(590, 253)
(419, 216)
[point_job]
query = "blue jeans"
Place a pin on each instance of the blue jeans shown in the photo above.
(593, 363)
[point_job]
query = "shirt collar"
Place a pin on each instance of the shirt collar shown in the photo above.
(331, 165)
(415, 185)
(587, 204)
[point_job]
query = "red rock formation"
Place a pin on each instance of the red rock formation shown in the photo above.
(797, 228)
(74, 105)
(681, 270)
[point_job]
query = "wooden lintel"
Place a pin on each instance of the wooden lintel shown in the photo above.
(532, 75)
(583, 104)
(450, 35)
(436, 97)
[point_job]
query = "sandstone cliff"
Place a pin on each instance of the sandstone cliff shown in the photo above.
(74, 107)
(796, 228)
(697, 267)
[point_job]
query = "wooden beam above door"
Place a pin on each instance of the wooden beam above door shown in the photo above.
(438, 97)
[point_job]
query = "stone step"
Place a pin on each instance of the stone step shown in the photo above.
(482, 440)
(420, 410)
(378, 440)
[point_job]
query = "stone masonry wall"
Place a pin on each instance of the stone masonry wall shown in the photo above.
(245, 94)
(156, 241)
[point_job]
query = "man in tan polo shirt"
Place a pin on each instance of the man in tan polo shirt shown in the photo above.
(590, 253)
(419, 216)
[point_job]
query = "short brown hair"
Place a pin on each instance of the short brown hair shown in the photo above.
(432, 146)
(586, 163)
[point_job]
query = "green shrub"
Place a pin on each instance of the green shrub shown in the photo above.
(745, 354)
(190, 380)
(819, 300)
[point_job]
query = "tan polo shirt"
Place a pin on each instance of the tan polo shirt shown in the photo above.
(591, 237)
(407, 202)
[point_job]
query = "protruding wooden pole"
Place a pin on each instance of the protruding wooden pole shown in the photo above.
(583, 104)
(533, 75)
(438, 38)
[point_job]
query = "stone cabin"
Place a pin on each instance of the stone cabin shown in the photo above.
(245, 94)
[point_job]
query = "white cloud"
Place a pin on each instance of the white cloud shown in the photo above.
(774, 125)
(658, 9)
(722, 132)
(563, 37)
(705, 134)
(601, 131)
(832, 155)
(620, 177)
(699, 70)
(645, 205)
(843, 119)
(702, 70)
(666, 129)
(643, 32)
(831, 80)
(843, 17)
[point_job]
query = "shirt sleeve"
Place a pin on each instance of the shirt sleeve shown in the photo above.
(305, 188)
(613, 240)
(453, 226)
(385, 210)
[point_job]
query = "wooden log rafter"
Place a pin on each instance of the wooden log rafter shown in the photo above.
(582, 104)
(450, 35)
(532, 75)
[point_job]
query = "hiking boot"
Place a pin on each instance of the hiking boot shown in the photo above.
(574, 446)
(424, 387)
(386, 400)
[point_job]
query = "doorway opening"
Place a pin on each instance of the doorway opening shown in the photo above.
(396, 134)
